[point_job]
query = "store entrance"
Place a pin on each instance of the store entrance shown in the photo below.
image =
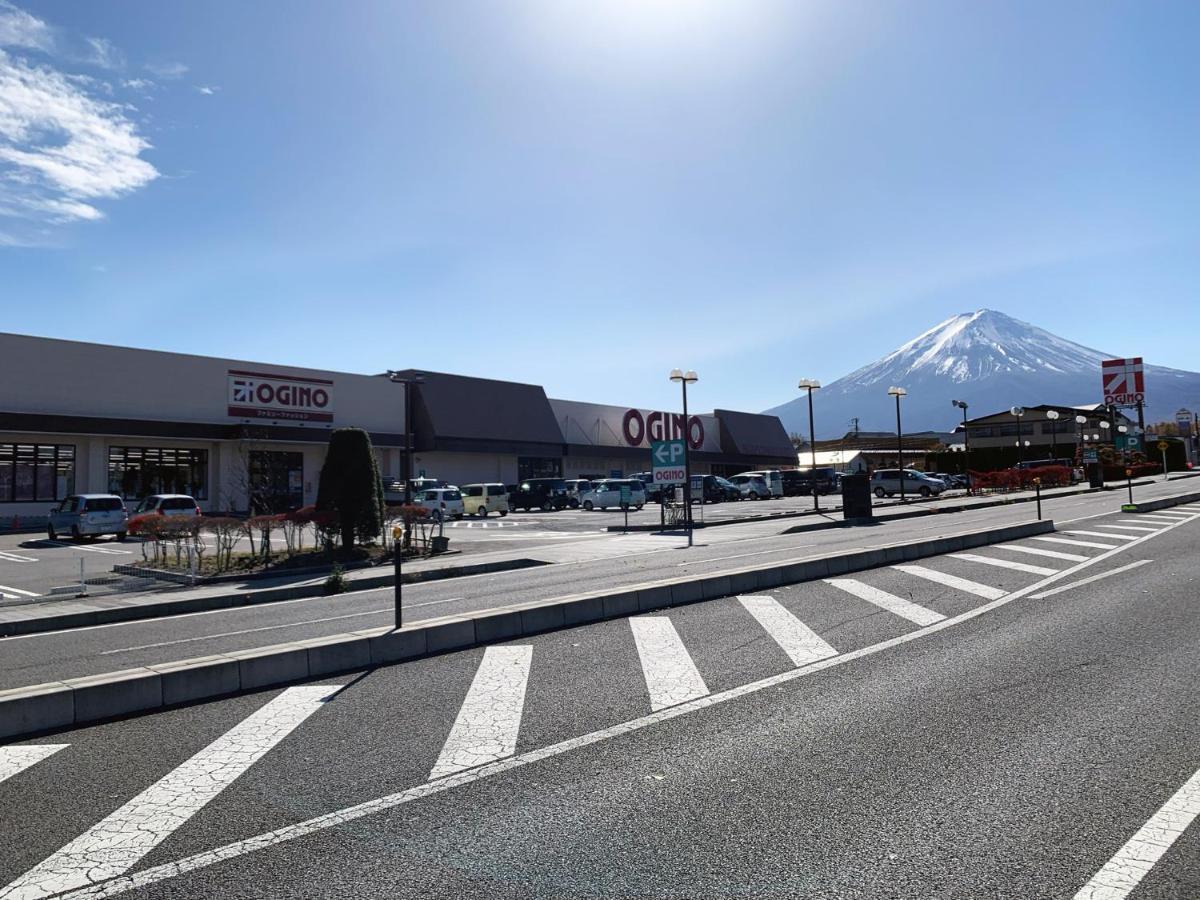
(276, 481)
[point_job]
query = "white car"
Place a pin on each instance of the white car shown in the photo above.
(608, 493)
(751, 487)
(442, 503)
(773, 479)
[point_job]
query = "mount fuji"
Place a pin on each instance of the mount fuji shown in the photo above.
(990, 360)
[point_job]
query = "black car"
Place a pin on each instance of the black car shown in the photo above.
(653, 491)
(799, 482)
(708, 489)
(539, 493)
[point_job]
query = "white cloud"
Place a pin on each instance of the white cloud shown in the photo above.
(167, 70)
(103, 53)
(19, 29)
(137, 84)
(62, 148)
(206, 90)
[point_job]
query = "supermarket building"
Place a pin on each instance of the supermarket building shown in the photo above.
(91, 418)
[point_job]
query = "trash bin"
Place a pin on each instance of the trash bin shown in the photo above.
(1095, 473)
(856, 497)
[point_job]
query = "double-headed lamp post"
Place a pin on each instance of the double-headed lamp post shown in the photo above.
(684, 379)
(1018, 412)
(1053, 415)
(962, 404)
(810, 385)
(899, 392)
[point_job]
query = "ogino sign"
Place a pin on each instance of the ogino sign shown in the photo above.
(666, 462)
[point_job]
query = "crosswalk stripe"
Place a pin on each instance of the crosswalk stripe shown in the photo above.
(1128, 527)
(671, 676)
(1142, 522)
(18, 759)
(1038, 551)
(1101, 534)
(1005, 564)
(15, 557)
(798, 641)
(906, 609)
(1055, 540)
(1161, 520)
(116, 844)
(953, 581)
(4, 589)
(489, 720)
(1122, 874)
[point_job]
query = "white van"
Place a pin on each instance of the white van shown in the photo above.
(774, 480)
(608, 493)
(481, 499)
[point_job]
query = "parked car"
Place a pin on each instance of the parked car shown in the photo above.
(545, 494)
(886, 483)
(608, 493)
(88, 516)
(481, 499)
(774, 480)
(654, 492)
(442, 503)
(708, 489)
(163, 505)
(731, 490)
(576, 488)
(751, 487)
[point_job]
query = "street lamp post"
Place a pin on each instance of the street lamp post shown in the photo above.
(407, 381)
(1052, 415)
(899, 392)
(810, 385)
(1018, 412)
(684, 379)
(962, 404)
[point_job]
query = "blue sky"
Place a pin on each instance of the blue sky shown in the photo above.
(585, 195)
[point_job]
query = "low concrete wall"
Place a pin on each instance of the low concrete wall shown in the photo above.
(78, 701)
(1164, 503)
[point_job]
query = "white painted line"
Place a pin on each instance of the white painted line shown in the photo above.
(1121, 874)
(1037, 551)
(5, 589)
(1141, 521)
(671, 676)
(18, 759)
(115, 845)
(1083, 581)
(341, 817)
(109, 550)
(953, 581)
(1162, 520)
(1055, 540)
(906, 609)
(798, 641)
(1005, 564)
(1101, 534)
(713, 559)
(489, 720)
(15, 557)
(1142, 528)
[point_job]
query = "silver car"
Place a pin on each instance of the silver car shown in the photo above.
(886, 482)
(88, 515)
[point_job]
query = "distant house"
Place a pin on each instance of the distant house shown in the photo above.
(1041, 435)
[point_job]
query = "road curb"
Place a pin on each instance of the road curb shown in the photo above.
(105, 615)
(1164, 503)
(80, 701)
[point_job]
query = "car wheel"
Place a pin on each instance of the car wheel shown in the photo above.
(437, 515)
(51, 533)
(503, 513)
(120, 537)
(639, 506)
(925, 492)
(881, 493)
(75, 535)
(547, 506)
(481, 512)
(587, 504)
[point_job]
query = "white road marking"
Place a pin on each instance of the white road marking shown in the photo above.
(1037, 551)
(5, 590)
(1140, 521)
(116, 844)
(953, 581)
(1128, 527)
(671, 676)
(798, 641)
(1005, 564)
(18, 759)
(1162, 520)
(1101, 534)
(906, 609)
(1121, 874)
(1056, 540)
(8, 556)
(713, 559)
(109, 550)
(1083, 581)
(490, 717)
(347, 814)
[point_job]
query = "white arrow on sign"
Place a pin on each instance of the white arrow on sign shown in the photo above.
(666, 451)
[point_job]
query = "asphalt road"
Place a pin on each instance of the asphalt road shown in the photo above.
(626, 559)
(1006, 735)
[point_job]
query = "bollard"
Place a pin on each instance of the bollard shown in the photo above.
(82, 582)
(1037, 486)
(397, 549)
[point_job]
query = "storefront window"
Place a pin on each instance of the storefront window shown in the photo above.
(136, 472)
(538, 467)
(276, 481)
(35, 472)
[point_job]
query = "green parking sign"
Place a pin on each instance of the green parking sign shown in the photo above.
(666, 462)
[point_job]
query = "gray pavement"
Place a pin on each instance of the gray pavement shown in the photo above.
(1009, 749)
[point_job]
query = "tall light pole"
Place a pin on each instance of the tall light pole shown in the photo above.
(962, 404)
(810, 385)
(1017, 412)
(1052, 415)
(1081, 421)
(684, 379)
(899, 392)
(408, 381)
